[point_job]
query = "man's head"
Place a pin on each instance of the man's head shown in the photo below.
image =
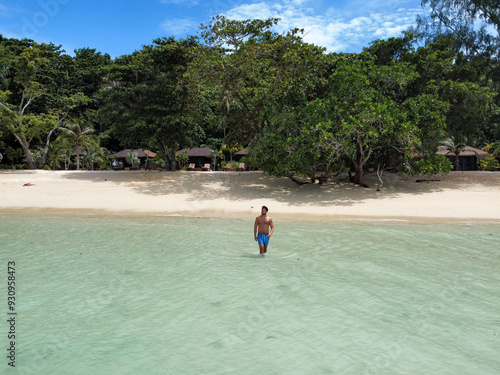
(264, 210)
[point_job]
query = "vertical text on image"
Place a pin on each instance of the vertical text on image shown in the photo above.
(11, 314)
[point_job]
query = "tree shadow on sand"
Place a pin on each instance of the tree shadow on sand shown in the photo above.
(245, 186)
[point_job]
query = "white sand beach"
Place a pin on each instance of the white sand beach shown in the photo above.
(458, 196)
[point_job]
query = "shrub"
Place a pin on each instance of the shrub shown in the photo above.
(132, 158)
(489, 164)
(430, 165)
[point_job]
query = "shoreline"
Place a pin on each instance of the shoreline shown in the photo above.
(456, 198)
(47, 212)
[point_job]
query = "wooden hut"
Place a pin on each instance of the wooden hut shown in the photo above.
(240, 154)
(468, 158)
(199, 156)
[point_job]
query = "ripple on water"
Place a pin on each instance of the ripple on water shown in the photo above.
(190, 295)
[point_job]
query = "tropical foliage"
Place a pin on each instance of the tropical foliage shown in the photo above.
(301, 112)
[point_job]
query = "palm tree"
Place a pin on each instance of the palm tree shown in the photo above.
(94, 155)
(231, 149)
(81, 136)
(493, 148)
(454, 148)
(58, 152)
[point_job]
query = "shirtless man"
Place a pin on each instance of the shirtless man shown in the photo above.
(262, 223)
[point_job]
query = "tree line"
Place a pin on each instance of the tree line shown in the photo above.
(301, 112)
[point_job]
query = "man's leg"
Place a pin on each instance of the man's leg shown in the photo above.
(266, 242)
(263, 242)
(262, 249)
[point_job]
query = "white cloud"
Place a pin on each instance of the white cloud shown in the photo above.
(177, 27)
(338, 30)
(246, 11)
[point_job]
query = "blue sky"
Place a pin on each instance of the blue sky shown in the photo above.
(121, 27)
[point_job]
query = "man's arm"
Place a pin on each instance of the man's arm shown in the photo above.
(272, 228)
(255, 229)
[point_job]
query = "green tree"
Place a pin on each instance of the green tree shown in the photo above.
(366, 111)
(89, 69)
(150, 99)
(299, 142)
(454, 148)
(456, 19)
(445, 81)
(94, 156)
(32, 104)
(80, 135)
(358, 114)
(60, 151)
(493, 148)
(13, 154)
(251, 68)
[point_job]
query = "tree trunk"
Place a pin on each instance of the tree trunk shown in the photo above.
(27, 153)
(168, 156)
(359, 175)
(173, 162)
(45, 150)
(297, 181)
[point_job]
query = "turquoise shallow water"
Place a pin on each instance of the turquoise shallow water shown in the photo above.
(173, 295)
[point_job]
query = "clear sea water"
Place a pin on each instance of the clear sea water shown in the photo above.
(176, 295)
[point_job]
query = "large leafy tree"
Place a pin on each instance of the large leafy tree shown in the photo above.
(367, 112)
(472, 29)
(298, 141)
(457, 19)
(443, 81)
(33, 102)
(251, 68)
(358, 115)
(87, 75)
(149, 98)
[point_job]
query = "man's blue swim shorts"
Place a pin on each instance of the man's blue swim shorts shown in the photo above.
(263, 239)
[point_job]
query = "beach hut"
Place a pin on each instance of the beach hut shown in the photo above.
(240, 154)
(199, 156)
(141, 154)
(468, 158)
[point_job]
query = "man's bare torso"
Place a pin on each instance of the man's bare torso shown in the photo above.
(263, 223)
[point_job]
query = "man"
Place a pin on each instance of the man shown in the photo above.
(262, 223)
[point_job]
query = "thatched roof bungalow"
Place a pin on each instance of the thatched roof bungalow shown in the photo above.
(240, 154)
(199, 156)
(468, 158)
